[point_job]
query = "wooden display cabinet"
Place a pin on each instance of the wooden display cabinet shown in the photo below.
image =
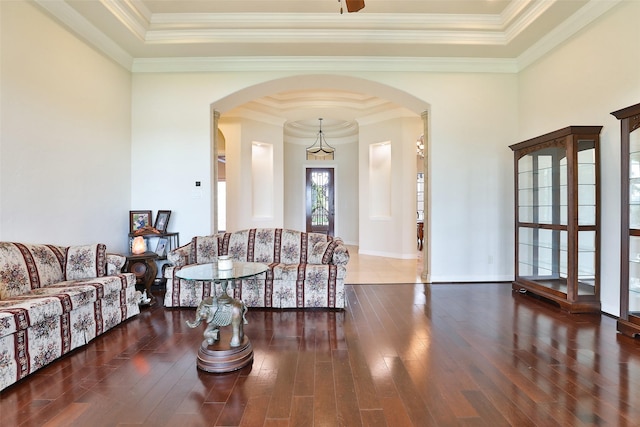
(557, 217)
(629, 320)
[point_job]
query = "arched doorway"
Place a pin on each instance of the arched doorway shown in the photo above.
(400, 226)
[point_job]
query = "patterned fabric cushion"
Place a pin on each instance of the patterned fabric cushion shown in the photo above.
(180, 256)
(341, 254)
(85, 262)
(204, 249)
(322, 253)
(24, 267)
(236, 245)
(293, 248)
(115, 262)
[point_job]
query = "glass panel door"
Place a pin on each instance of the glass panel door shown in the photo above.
(320, 213)
(634, 223)
(542, 215)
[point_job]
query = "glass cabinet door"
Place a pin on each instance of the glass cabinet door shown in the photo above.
(587, 213)
(542, 214)
(634, 223)
(629, 320)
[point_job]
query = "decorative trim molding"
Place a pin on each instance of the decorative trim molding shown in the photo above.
(323, 35)
(86, 30)
(133, 15)
(324, 64)
(576, 22)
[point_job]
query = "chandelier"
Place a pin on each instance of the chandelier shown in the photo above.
(320, 149)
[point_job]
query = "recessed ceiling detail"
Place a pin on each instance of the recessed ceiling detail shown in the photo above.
(160, 31)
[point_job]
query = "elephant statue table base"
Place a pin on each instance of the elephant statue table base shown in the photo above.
(223, 350)
(221, 358)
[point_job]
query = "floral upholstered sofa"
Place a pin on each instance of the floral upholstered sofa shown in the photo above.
(54, 299)
(305, 269)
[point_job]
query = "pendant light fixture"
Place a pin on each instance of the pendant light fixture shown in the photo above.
(320, 149)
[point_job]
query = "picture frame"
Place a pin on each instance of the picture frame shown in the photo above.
(161, 247)
(138, 220)
(162, 221)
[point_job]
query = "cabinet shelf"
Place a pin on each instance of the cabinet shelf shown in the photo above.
(152, 240)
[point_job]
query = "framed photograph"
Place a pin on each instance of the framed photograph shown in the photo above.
(162, 221)
(161, 248)
(138, 220)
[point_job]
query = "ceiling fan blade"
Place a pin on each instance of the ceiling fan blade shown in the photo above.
(354, 5)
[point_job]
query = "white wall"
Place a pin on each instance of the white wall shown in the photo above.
(241, 212)
(346, 188)
(172, 150)
(392, 230)
(473, 120)
(65, 136)
(581, 83)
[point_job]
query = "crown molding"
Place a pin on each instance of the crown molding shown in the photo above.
(323, 35)
(330, 21)
(525, 19)
(324, 64)
(86, 30)
(576, 22)
(133, 15)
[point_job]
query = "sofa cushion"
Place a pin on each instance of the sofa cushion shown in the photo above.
(322, 252)
(204, 249)
(24, 267)
(22, 311)
(115, 262)
(85, 262)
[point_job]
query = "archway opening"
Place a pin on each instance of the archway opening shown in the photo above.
(378, 109)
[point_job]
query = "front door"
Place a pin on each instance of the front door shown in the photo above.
(320, 213)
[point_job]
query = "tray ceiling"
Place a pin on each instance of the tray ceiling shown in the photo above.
(164, 30)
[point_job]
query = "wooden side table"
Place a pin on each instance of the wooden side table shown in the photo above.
(144, 267)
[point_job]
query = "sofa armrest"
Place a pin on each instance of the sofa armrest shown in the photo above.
(115, 262)
(179, 257)
(340, 254)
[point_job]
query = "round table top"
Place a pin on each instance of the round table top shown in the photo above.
(210, 272)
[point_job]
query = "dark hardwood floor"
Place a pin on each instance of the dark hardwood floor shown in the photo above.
(400, 355)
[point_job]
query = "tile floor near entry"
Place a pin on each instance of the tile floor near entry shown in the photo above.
(368, 269)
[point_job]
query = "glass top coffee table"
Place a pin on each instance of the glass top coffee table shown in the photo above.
(211, 272)
(215, 353)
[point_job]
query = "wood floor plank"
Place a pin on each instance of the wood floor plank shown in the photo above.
(68, 416)
(255, 412)
(362, 378)
(282, 395)
(396, 413)
(347, 404)
(302, 412)
(373, 418)
(324, 402)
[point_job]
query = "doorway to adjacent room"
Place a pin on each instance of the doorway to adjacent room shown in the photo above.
(320, 211)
